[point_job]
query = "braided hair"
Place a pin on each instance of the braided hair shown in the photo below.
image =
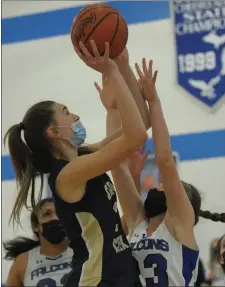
(195, 199)
(217, 217)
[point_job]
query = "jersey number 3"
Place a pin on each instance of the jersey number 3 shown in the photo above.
(158, 264)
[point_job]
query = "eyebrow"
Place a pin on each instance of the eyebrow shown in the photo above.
(44, 211)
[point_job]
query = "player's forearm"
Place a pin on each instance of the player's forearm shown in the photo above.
(137, 181)
(131, 81)
(113, 127)
(113, 124)
(160, 133)
(133, 128)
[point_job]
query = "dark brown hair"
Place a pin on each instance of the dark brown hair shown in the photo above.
(195, 199)
(32, 156)
(19, 245)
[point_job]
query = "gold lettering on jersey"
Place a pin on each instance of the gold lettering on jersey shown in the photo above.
(109, 188)
(119, 245)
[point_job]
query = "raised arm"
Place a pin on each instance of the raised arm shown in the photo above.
(127, 73)
(109, 102)
(179, 208)
(75, 174)
(126, 176)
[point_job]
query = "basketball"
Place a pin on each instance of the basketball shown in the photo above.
(101, 23)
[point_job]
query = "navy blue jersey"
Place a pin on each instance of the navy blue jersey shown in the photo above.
(102, 255)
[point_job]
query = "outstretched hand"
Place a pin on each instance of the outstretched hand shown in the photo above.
(147, 80)
(106, 95)
(137, 160)
(102, 64)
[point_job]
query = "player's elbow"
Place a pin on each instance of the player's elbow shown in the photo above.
(138, 140)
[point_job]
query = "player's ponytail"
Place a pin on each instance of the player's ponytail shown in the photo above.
(217, 217)
(32, 156)
(24, 170)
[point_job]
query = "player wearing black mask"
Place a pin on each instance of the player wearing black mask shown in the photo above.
(48, 254)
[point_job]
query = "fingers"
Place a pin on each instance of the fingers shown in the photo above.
(144, 66)
(86, 56)
(85, 51)
(150, 68)
(80, 54)
(98, 88)
(155, 77)
(106, 54)
(139, 72)
(147, 71)
(95, 50)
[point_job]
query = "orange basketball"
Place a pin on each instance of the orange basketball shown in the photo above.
(101, 23)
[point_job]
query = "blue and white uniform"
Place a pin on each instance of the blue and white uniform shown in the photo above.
(162, 260)
(45, 271)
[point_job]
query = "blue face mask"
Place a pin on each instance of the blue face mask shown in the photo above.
(80, 134)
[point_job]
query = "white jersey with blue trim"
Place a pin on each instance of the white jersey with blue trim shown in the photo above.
(162, 260)
(44, 271)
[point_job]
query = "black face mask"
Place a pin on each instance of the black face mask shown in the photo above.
(53, 231)
(155, 203)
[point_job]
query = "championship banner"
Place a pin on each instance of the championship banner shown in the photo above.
(200, 43)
